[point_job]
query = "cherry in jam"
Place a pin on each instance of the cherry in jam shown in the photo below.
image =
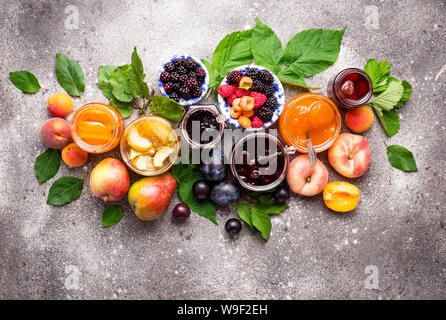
(260, 167)
(354, 86)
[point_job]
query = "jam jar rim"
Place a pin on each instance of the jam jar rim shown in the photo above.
(337, 84)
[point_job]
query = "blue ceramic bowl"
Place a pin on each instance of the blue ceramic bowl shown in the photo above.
(280, 95)
(204, 86)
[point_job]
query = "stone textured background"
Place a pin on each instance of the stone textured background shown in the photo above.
(399, 225)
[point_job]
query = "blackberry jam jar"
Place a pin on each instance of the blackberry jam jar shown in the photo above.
(350, 88)
(202, 126)
(259, 161)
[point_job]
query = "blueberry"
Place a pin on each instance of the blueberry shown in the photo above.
(214, 168)
(233, 226)
(225, 193)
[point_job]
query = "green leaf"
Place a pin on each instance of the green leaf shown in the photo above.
(269, 208)
(261, 222)
(312, 51)
(119, 82)
(186, 176)
(70, 75)
(244, 212)
(233, 51)
(389, 98)
(389, 120)
(47, 165)
(125, 108)
(213, 73)
(383, 87)
(378, 73)
(167, 108)
(266, 47)
(406, 94)
(104, 75)
(111, 216)
(286, 75)
(401, 158)
(137, 85)
(65, 190)
(25, 81)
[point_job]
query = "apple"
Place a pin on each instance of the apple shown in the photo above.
(150, 197)
(350, 155)
(305, 180)
(110, 180)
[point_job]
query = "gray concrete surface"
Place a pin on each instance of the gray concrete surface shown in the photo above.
(399, 226)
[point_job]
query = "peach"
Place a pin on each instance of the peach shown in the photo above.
(74, 156)
(350, 155)
(110, 180)
(341, 196)
(359, 120)
(60, 105)
(150, 197)
(305, 180)
(56, 133)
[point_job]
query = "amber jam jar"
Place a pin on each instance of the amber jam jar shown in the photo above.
(350, 88)
(97, 127)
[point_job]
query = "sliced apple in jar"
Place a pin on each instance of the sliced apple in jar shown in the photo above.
(157, 132)
(137, 142)
(161, 156)
(143, 162)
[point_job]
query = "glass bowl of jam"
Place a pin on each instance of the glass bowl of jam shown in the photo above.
(259, 161)
(350, 88)
(97, 127)
(202, 126)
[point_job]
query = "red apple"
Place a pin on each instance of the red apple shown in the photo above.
(150, 197)
(350, 155)
(110, 180)
(305, 180)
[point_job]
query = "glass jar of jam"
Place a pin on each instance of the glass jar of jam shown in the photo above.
(149, 145)
(259, 161)
(350, 88)
(97, 127)
(202, 126)
(310, 115)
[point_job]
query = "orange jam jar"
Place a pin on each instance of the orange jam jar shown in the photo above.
(310, 115)
(97, 127)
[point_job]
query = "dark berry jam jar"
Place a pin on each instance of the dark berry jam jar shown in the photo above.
(350, 88)
(259, 161)
(202, 126)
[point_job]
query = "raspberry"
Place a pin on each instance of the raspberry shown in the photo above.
(231, 99)
(271, 103)
(265, 114)
(245, 83)
(225, 90)
(241, 92)
(256, 122)
(234, 77)
(165, 77)
(259, 99)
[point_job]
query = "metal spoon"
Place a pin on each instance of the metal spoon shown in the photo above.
(311, 153)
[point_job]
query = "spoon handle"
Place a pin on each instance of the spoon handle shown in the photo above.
(311, 153)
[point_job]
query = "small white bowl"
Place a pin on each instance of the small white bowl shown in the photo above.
(280, 95)
(204, 86)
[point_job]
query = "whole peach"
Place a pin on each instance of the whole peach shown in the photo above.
(350, 155)
(74, 156)
(110, 180)
(60, 105)
(359, 120)
(305, 180)
(56, 133)
(150, 197)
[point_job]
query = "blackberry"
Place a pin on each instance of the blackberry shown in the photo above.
(191, 83)
(234, 77)
(196, 92)
(174, 96)
(190, 64)
(175, 86)
(201, 74)
(168, 87)
(174, 76)
(182, 78)
(265, 114)
(184, 93)
(269, 90)
(271, 103)
(178, 63)
(192, 75)
(165, 77)
(252, 73)
(169, 67)
(181, 70)
(257, 85)
(265, 76)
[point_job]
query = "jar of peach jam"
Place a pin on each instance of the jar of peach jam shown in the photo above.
(97, 127)
(310, 115)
